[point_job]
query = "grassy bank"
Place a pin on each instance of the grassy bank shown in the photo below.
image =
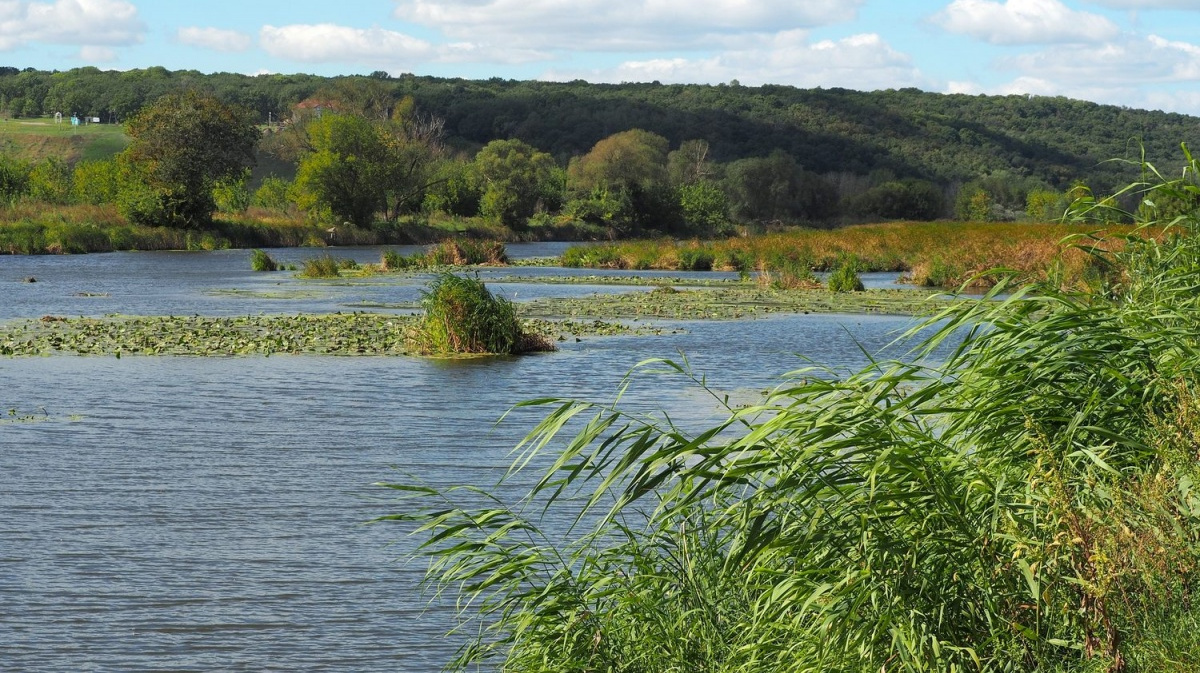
(937, 254)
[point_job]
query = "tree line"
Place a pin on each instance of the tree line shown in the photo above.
(629, 159)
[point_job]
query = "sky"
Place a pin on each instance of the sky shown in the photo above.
(1135, 53)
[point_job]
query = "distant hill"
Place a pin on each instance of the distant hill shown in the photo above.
(906, 133)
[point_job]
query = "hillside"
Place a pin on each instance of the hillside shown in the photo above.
(909, 133)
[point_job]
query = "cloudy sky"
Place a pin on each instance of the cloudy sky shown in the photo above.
(1139, 53)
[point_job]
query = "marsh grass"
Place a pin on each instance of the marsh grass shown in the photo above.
(457, 252)
(1020, 495)
(463, 318)
(844, 277)
(916, 248)
(261, 261)
(325, 266)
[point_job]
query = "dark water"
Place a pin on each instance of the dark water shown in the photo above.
(197, 514)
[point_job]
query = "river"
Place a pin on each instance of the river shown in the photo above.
(198, 514)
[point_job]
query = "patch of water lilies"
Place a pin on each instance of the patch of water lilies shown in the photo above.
(333, 334)
(736, 302)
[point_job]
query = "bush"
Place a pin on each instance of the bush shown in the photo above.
(261, 261)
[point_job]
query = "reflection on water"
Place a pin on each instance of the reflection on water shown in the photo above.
(207, 513)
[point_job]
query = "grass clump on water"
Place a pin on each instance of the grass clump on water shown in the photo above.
(1024, 495)
(844, 277)
(261, 261)
(463, 318)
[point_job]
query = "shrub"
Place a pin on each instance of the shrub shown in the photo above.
(844, 277)
(463, 317)
(261, 261)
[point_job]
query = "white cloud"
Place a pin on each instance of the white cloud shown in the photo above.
(329, 43)
(608, 25)
(1148, 72)
(1147, 4)
(215, 39)
(93, 54)
(73, 22)
(860, 62)
(1024, 22)
(1127, 63)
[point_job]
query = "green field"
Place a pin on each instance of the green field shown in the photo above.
(37, 139)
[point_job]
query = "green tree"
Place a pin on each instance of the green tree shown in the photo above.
(705, 208)
(344, 170)
(182, 146)
(901, 200)
(627, 170)
(776, 188)
(514, 177)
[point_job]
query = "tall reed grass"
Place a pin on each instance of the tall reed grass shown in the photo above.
(1022, 495)
(940, 254)
(463, 317)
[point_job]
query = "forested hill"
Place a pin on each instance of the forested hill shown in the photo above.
(909, 133)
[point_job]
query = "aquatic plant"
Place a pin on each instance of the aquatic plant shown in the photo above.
(261, 261)
(1021, 496)
(463, 317)
(325, 266)
(844, 277)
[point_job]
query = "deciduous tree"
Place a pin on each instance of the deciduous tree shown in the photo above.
(182, 146)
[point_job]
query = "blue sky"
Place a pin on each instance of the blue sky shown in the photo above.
(1137, 53)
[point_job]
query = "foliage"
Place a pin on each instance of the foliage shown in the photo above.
(232, 195)
(1019, 497)
(344, 169)
(516, 181)
(182, 146)
(325, 266)
(14, 178)
(273, 194)
(463, 317)
(844, 277)
(704, 208)
(901, 200)
(261, 261)
(355, 167)
(466, 251)
(96, 182)
(776, 188)
(50, 181)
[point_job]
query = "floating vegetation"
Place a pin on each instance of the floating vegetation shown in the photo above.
(737, 302)
(332, 334)
(15, 415)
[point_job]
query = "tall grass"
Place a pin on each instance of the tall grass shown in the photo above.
(455, 252)
(463, 317)
(917, 248)
(1029, 502)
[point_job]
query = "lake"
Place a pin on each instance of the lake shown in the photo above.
(189, 514)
